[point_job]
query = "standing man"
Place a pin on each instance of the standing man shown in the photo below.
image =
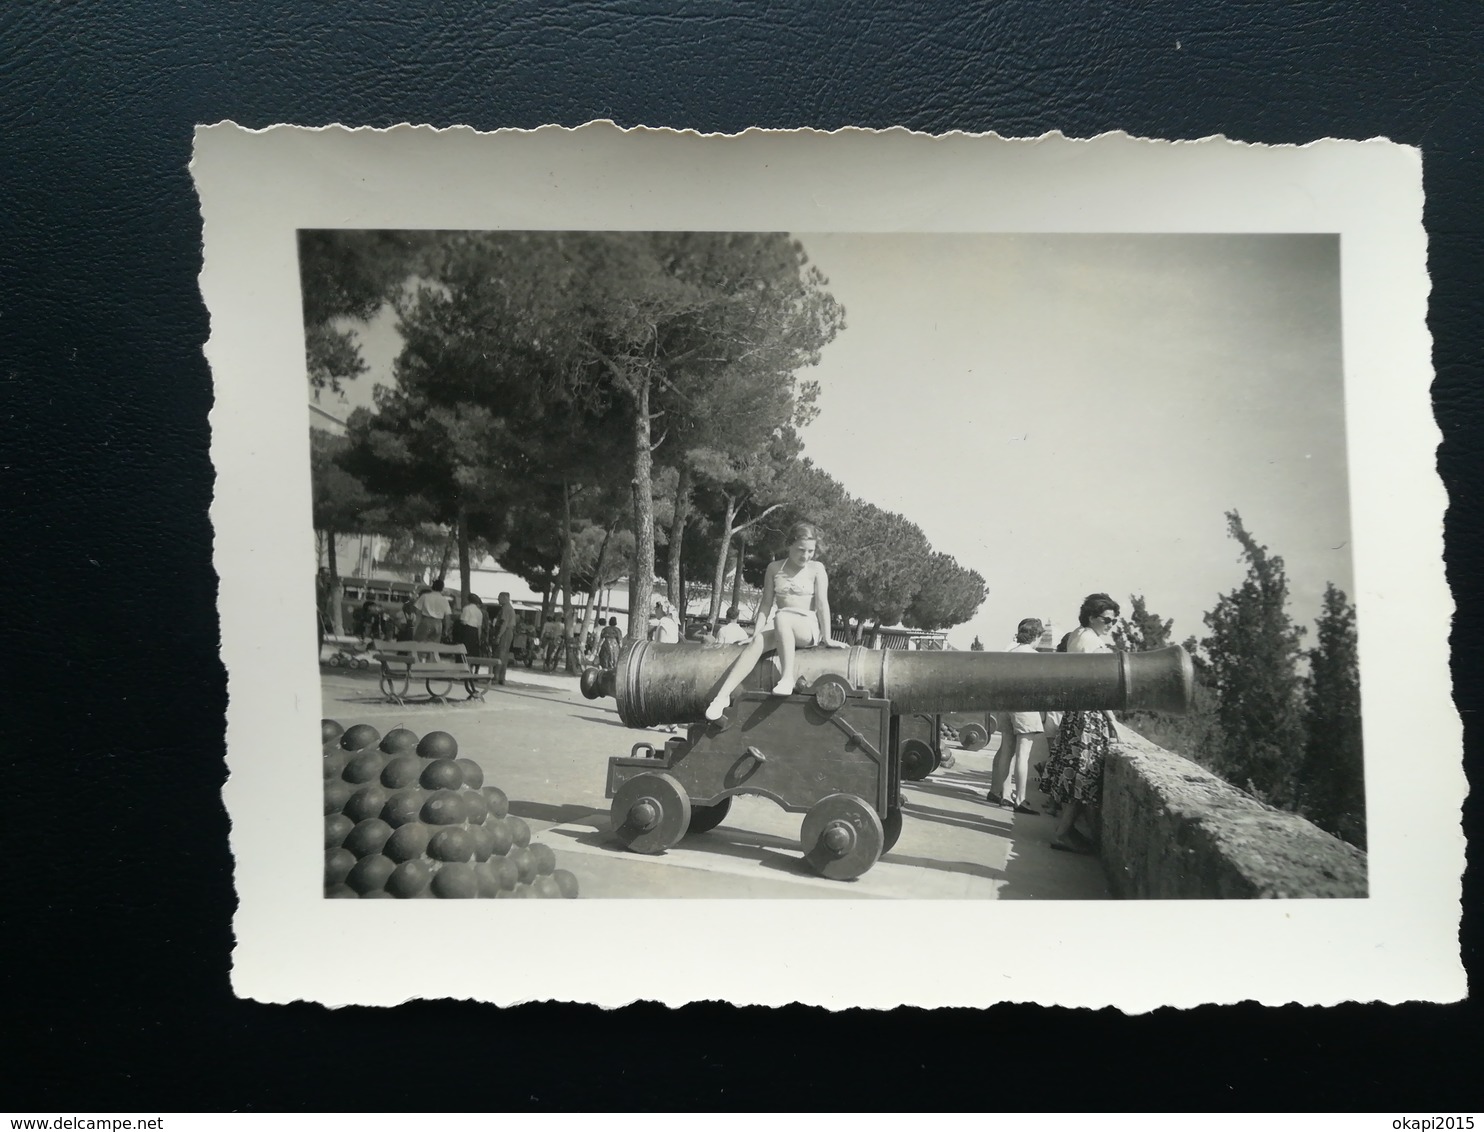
(729, 632)
(551, 638)
(504, 634)
(433, 609)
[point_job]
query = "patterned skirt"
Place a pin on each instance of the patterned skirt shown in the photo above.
(1074, 772)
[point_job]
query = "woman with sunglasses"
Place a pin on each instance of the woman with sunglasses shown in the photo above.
(1073, 778)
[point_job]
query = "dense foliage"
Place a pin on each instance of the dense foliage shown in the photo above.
(591, 403)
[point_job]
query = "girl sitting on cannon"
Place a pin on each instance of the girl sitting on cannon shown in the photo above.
(800, 587)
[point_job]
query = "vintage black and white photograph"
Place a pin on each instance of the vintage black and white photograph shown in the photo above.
(839, 554)
(969, 566)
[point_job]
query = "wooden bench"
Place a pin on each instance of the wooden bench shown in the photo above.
(434, 663)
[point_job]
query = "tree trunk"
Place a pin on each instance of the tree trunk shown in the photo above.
(720, 576)
(677, 536)
(336, 612)
(566, 569)
(463, 537)
(443, 560)
(737, 579)
(594, 609)
(641, 577)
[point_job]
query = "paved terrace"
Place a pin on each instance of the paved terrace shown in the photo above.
(543, 744)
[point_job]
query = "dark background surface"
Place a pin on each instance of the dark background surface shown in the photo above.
(118, 886)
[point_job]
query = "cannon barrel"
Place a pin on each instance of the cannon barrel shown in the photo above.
(660, 683)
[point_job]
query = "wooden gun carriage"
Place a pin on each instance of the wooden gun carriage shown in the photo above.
(834, 749)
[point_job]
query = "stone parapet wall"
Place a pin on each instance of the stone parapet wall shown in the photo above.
(1172, 829)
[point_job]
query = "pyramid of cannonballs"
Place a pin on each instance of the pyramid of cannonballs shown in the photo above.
(406, 817)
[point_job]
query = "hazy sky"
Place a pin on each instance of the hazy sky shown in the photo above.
(1069, 414)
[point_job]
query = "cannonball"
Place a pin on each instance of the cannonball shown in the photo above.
(499, 804)
(451, 843)
(456, 882)
(438, 745)
(335, 759)
(336, 827)
(401, 771)
(399, 741)
(409, 879)
(337, 793)
(520, 831)
(403, 806)
(367, 802)
(363, 767)
(408, 842)
(338, 863)
(441, 774)
(545, 859)
(503, 836)
(525, 862)
(359, 737)
(473, 773)
(484, 842)
(476, 809)
(371, 872)
(444, 807)
(368, 837)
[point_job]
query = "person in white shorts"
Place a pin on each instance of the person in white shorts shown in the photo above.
(1020, 733)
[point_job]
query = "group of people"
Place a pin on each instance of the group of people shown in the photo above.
(1076, 742)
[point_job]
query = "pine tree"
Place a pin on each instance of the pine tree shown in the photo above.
(1141, 630)
(1332, 781)
(977, 645)
(1252, 656)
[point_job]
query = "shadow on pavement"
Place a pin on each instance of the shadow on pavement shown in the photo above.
(560, 815)
(915, 809)
(614, 722)
(967, 868)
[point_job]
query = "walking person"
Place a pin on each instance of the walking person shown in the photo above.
(1020, 732)
(800, 587)
(609, 642)
(1074, 774)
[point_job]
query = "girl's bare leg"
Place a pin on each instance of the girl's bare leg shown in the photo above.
(787, 643)
(760, 643)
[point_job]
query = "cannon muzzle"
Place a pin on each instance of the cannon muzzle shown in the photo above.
(658, 683)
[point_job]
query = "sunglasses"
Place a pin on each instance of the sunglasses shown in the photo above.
(1106, 618)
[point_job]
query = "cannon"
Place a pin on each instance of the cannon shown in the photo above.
(834, 749)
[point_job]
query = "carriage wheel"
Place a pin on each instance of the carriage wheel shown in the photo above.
(650, 813)
(842, 837)
(703, 819)
(918, 760)
(891, 829)
(972, 736)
